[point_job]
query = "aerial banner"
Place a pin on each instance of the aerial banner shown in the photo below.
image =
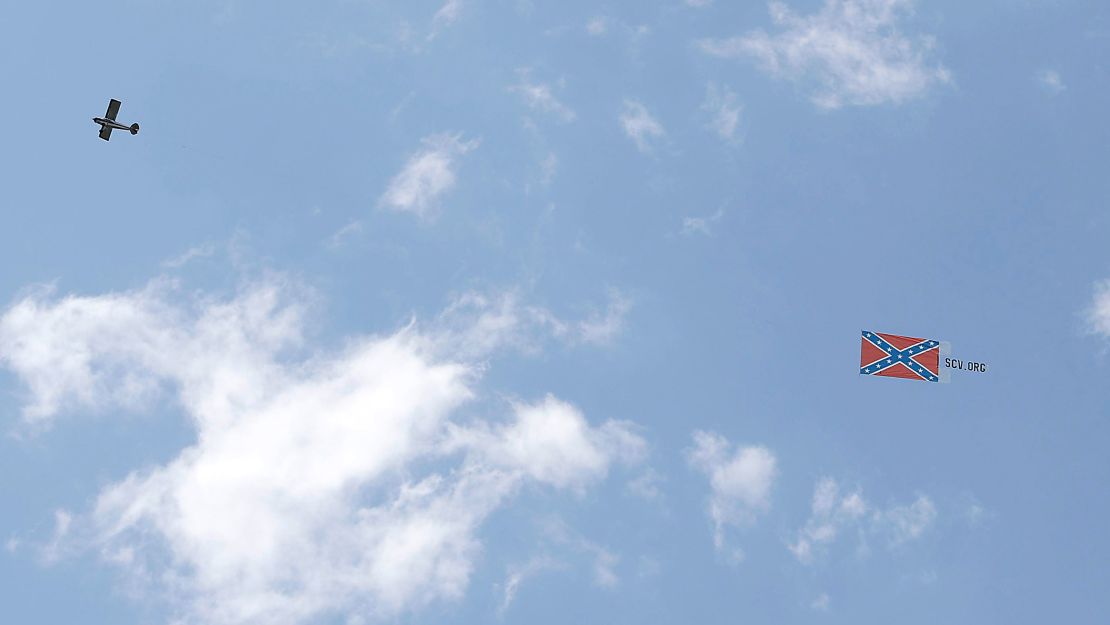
(906, 357)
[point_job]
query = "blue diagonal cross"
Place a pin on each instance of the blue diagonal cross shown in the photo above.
(895, 356)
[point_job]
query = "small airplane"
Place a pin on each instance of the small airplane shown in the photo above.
(108, 122)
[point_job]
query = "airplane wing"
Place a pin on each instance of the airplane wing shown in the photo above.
(106, 131)
(113, 108)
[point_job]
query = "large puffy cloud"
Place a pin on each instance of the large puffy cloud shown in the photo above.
(834, 513)
(552, 443)
(740, 481)
(119, 349)
(852, 49)
(320, 483)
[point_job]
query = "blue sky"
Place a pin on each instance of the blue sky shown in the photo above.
(528, 312)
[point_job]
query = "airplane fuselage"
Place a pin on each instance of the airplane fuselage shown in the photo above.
(111, 123)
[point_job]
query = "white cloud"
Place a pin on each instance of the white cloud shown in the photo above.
(321, 484)
(56, 548)
(831, 514)
(600, 328)
(605, 563)
(446, 15)
(647, 485)
(698, 3)
(639, 125)
(572, 548)
(974, 513)
(1050, 80)
(740, 482)
(724, 109)
(905, 523)
(548, 166)
(340, 236)
(834, 513)
(449, 12)
(517, 575)
(427, 176)
(597, 26)
(701, 225)
(852, 49)
(552, 443)
(630, 35)
(479, 323)
(603, 560)
(78, 351)
(1098, 316)
(199, 251)
(821, 603)
(539, 97)
(648, 567)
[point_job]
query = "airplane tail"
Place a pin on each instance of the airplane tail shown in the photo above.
(134, 129)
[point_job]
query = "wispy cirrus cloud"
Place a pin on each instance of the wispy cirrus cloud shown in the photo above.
(548, 167)
(701, 225)
(518, 574)
(639, 125)
(572, 548)
(427, 176)
(200, 251)
(724, 109)
(446, 15)
(477, 323)
(344, 233)
(850, 52)
(322, 483)
(834, 513)
(901, 524)
(540, 97)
